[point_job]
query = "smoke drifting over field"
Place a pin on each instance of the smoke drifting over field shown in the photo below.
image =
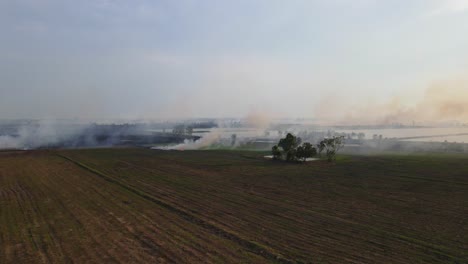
(258, 119)
(442, 103)
(69, 134)
(38, 134)
(206, 141)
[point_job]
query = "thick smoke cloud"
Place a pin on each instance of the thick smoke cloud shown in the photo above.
(38, 134)
(204, 142)
(442, 103)
(255, 122)
(258, 119)
(35, 134)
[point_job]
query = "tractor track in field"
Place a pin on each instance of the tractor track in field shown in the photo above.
(248, 245)
(438, 250)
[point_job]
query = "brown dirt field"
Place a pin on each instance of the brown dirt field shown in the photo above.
(137, 205)
(53, 211)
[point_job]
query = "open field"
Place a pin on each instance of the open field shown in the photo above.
(139, 205)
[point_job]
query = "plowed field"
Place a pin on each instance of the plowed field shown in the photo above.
(148, 206)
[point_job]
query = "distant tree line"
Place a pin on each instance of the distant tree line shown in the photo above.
(182, 130)
(187, 129)
(204, 125)
(290, 148)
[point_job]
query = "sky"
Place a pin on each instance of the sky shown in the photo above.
(219, 58)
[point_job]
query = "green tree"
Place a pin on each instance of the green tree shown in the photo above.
(305, 151)
(275, 150)
(331, 146)
(289, 145)
(290, 149)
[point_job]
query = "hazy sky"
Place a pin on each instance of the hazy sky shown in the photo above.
(215, 58)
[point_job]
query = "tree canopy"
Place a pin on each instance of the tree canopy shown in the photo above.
(289, 148)
(331, 146)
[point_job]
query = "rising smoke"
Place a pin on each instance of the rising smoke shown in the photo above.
(37, 134)
(206, 141)
(442, 103)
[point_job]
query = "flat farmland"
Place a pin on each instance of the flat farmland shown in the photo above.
(148, 206)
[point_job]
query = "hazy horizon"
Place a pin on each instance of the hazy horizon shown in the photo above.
(360, 61)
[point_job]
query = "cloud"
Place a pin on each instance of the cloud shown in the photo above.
(165, 59)
(448, 7)
(31, 27)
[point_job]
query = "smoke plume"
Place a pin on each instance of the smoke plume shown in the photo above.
(206, 141)
(258, 119)
(442, 103)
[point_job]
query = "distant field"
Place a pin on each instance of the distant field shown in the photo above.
(139, 205)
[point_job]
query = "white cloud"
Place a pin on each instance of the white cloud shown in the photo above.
(445, 7)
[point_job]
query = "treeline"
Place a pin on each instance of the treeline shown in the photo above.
(291, 148)
(187, 129)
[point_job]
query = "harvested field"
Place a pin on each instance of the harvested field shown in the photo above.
(138, 205)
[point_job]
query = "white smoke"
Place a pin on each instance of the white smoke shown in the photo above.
(38, 134)
(207, 140)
